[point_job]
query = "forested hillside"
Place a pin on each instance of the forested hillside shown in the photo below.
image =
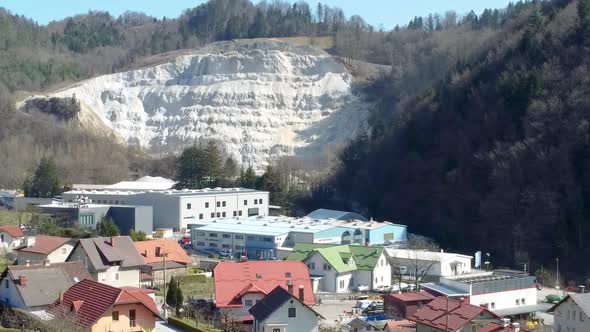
(495, 157)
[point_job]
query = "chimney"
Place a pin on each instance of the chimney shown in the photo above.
(28, 262)
(145, 253)
(516, 327)
(505, 322)
(30, 241)
(112, 241)
(61, 297)
(46, 262)
(158, 251)
(22, 280)
(290, 286)
(301, 293)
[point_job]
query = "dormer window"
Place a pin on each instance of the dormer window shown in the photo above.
(258, 275)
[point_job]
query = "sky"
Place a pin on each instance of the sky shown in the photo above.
(376, 12)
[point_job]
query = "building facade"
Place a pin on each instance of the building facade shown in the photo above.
(436, 263)
(40, 248)
(572, 313)
(10, 237)
(178, 208)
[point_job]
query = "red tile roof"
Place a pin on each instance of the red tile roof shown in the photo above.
(89, 300)
(412, 297)
(434, 314)
(496, 327)
(13, 231)
(234, 279)
(147, 250)
(45, 244)
(400, 326)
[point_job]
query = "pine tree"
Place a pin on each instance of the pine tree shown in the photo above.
(172, 292)
(213, 163)
(191, 168)
(248, 178)
(178, 298)
(584, 21)
(44, 182)
(230, 169)
(106, 227)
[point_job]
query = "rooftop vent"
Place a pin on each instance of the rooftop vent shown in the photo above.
(258, 275)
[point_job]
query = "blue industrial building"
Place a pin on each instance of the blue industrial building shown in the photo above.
(264, 237)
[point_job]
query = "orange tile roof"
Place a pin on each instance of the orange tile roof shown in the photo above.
(45, 244)
(147, 250)
(434, 314)
(234, 279)
(13, 231)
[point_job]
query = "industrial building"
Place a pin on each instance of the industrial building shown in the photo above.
(274, 237)
(87, 216)
(178, 208)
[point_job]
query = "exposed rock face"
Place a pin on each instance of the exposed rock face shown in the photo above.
(259, 99)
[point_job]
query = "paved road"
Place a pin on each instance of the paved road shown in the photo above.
(333, 312)
(164, 327)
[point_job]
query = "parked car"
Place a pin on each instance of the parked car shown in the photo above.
(383, 289)
(225, 253)
(362, 288)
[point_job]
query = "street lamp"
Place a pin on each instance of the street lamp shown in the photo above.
(557, 278)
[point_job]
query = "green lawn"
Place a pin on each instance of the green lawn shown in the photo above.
(8, 217)
(194, 286)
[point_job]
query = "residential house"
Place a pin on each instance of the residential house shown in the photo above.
(572, 313)
(239, 285)
(405, 305)
(503, 326)
(10, 237)
(449, 315)
(431, 264)
(99, 307)
(110, 260)
(362, 324)
(504, 292)
(161, 253)
(343, 268)
(281, 311)
(37, 249)
(35, 287)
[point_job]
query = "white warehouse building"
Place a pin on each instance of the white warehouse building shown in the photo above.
(178, 208)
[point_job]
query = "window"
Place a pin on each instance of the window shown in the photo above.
(523, 301)
(117, 202)
(381, 279)
(223, 204)
(292, 312)
(132, 317)
(493, 305)
(200, 233)
(218, 214)
(223, 214)
(574, 315)
(115, 315)
(250, 237)
(381, 262)
(238, 247)
(245, 202)
(188, 206)
(248, 303)
(200, 216)
(255, 201)
(213, 245)
(235, 213)
(276, 330)
(258, 275)
(201, 243)
(239, 237)
(240, 213)
(376, 280)
(64, 251)
(206, 205)
(212, 234)
(212, 214)
(225, 236)
(218, 204)
(117, 276)
(581, 316)
(260, 201)
(341, 283)
(518, 302)
(287, 274)
(225, 246)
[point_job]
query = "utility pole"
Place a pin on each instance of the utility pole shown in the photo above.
(165, 306)
(447, 315)
(557, 278)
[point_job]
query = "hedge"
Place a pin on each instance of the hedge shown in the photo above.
(186, 326)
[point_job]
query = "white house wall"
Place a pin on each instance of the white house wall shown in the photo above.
(119, 277)
(381, 272)
(315, 265)
(565, 319)
(10, 242)
(305, 320)
(506, 299)
(59, 255)
(9, 295)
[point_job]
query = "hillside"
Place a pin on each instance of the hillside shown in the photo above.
(259, 99)
(494, 158)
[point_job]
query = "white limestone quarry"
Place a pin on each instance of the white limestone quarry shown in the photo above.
(259, 99)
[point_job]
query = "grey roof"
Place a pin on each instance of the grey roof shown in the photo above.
(273, 301)
(44, 283)
(335, 214)
(444, 289)
(102, 254)
(527, 309)
(169, 265)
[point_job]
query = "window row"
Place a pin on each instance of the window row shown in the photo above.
(189, 206)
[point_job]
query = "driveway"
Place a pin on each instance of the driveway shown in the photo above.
(165, 327)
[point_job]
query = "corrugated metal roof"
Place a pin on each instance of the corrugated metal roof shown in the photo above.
(335, 214)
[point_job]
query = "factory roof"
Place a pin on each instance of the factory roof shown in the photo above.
(475, 278)
(335, 214)
(270, 225)
(124, 191)
(424, 255)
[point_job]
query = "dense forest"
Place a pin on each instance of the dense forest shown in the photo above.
(493, 157)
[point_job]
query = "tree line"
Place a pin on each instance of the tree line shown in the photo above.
(495, 156)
